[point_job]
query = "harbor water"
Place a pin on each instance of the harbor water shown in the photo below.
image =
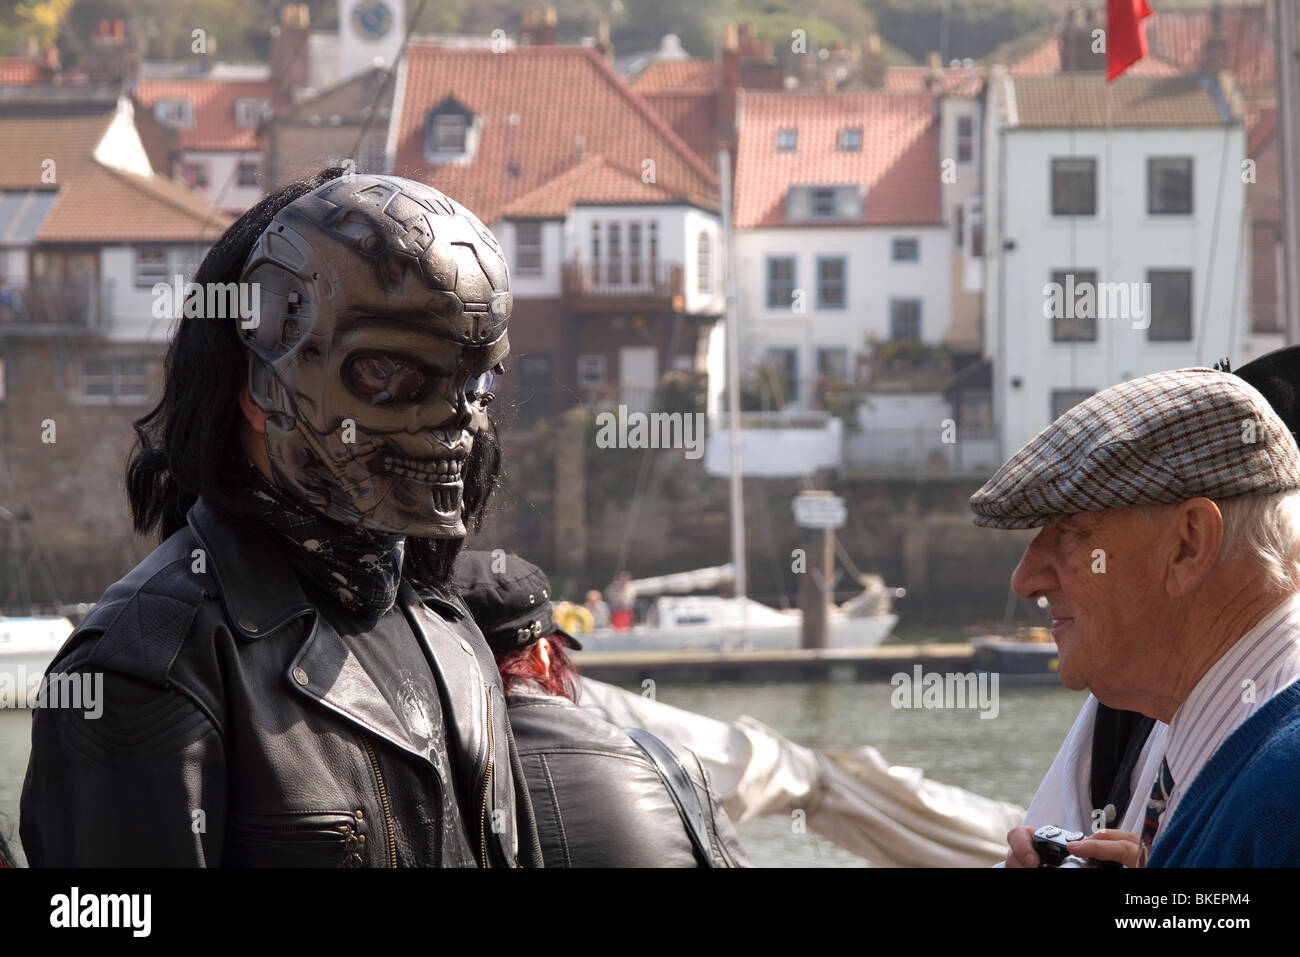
(1002, 757)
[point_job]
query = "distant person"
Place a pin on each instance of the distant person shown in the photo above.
(602, 796)
(621, 595)
(1186, 484)
(599, 609)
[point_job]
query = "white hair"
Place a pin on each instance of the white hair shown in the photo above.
(1262, 530)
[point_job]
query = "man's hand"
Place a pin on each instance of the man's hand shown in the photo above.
(1108, 844)
(1022, 853)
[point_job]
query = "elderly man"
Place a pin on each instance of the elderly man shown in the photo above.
(1170, 555)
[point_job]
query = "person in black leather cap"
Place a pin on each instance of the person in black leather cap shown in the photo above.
(602, 796)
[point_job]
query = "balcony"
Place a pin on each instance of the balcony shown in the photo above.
(623, 284)
(776, 444)
(44, 308)
(920, 452)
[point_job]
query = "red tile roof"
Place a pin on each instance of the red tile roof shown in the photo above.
(536, 105)
(1181, 35)
(96, 203)
(593, 180)
(19, 71)
(957, 81)
(213, 104)
(898, 163)
(691, 74)
(693, 115)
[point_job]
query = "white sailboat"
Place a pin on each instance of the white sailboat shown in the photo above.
(718, 623)
(27, 646)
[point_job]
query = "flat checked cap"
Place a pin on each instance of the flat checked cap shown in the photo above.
(1157, 440)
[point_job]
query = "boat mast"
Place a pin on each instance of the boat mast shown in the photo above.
(733, 375)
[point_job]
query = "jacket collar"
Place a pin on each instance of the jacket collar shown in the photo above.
(257, 586)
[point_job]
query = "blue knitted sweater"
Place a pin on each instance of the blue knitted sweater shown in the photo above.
(1243, 809)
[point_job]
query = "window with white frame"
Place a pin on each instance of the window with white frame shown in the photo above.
(787, 140)
(448, 133)
(174, 112)
(704, 263)
(591, 372)
(616, 254)
(906, 249)
(247, 172)
(965, 139)
(115, 380)
(528, 247)
(832, 277)
(850, 140)
(250, 110)
(905, 320)
(150, 265)
(634, 254)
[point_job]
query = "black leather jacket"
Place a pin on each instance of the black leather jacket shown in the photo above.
(238, 729)
(599, 800)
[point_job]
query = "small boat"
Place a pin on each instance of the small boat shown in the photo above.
(1028, 655)
(721, 623)
(27, 646)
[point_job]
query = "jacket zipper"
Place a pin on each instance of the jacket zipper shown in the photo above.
(487, 781)
(383, 799)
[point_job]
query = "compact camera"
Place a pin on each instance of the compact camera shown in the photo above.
(1050, 844)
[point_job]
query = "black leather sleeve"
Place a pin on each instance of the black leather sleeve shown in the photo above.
(142, 784)
(726, 842)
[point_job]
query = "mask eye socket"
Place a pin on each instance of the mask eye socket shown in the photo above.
(385, 380)
(479, 388)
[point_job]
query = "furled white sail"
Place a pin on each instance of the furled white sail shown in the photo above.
(892, 816)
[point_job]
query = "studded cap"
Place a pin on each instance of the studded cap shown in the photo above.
(513, 606)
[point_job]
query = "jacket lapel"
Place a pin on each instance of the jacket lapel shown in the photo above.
(326, 671)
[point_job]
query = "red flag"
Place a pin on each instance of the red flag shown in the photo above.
(1126, 41)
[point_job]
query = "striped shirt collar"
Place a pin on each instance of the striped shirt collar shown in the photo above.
(1260, 664)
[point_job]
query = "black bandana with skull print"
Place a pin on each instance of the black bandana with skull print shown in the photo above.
(361, 569)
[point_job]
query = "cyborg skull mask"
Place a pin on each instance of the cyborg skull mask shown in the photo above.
(384, 306)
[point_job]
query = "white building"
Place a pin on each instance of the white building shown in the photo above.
(1115, 230)
(203, 131)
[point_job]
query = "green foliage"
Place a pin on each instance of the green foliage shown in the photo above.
(681, 392)
(841, 399)
(975, 27)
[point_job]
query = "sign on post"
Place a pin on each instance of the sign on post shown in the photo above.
(819, 511)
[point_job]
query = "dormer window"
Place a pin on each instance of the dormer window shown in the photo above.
(250, 110)
(787, 140)
(176, 112)
(811, 202)
(851, 139)
(450, 133)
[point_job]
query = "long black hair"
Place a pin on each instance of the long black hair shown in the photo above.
(188, 445)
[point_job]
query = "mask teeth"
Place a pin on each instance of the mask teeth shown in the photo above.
(446, 471)
(446, 498)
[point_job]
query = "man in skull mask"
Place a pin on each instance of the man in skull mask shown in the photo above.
(288, 679)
